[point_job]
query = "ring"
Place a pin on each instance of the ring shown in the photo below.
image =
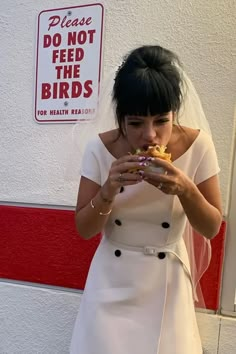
(160, 185)
(120, 178)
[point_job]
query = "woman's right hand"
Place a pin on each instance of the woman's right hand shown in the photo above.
(119, 174)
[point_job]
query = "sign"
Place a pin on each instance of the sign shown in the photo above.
(68, 63)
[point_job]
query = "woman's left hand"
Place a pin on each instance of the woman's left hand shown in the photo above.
(172, 181)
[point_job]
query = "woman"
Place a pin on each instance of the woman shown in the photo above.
(139, 295)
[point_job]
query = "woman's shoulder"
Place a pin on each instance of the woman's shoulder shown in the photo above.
(111, 140)
(181, 141)
(190, 136)
(108, 137)
(189, 139)
(97, 139)
(100, 145)
(198, 138)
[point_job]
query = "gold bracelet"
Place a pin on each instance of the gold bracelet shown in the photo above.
(100, 213)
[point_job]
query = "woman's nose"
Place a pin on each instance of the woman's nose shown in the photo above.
(149, 133)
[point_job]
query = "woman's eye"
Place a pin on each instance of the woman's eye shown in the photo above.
(157, 122)
(135, 123)
(161, 121)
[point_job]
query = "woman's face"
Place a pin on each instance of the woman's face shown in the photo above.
(141, 132)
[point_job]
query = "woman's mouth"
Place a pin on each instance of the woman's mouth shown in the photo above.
(146, 146)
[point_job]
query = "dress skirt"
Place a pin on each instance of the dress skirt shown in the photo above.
(136, 302)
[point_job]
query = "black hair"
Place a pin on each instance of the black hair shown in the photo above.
(148, 82)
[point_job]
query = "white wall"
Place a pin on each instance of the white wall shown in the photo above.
(32, 166)
(36, 321)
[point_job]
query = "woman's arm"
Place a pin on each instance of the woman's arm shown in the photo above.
(89, 222)
(95, 202)
(202, 205)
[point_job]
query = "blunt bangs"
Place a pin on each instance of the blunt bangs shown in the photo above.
(146, 93)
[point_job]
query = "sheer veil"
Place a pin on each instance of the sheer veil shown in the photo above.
(191, 115)
(198, 247)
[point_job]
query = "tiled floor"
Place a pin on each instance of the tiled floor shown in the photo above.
(218, 334)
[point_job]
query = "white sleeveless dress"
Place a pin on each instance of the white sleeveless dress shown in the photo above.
(138, 297)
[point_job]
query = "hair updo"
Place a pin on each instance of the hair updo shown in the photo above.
(148, 82)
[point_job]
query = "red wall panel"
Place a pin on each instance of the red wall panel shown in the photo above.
(42, 246)
(211, 280)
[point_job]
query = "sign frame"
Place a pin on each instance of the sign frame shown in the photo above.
(52, 104)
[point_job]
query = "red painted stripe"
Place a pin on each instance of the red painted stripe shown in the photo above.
(211, 280)
(42, 246)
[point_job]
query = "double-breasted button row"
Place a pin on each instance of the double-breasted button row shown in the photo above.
(161, 255)
(165, 224)
(117, 253)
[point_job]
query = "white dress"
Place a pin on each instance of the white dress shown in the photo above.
(138, 297)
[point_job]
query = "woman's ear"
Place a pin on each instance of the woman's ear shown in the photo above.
(123, 129)
(174, 117)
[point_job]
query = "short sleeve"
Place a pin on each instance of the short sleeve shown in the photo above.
(208, 166)
(90, 165)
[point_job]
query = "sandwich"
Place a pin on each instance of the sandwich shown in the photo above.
(155, 152)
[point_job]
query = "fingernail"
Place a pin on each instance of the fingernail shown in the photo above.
(141, 158)
(143, 164)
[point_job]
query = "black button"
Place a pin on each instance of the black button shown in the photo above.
(161, 255)
(122, 189)
(118, 222)
(165, 225)
(117, 253)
